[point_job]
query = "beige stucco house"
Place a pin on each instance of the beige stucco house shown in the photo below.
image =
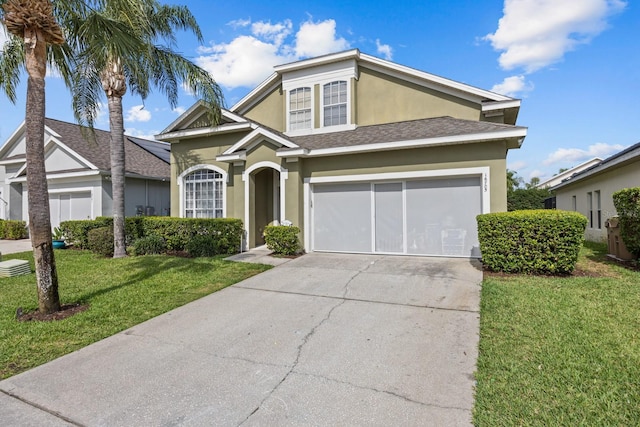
(364, 155)
(79, 174)
(590, 191)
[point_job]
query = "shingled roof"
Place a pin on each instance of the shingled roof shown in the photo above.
(140, 158)
(437, 127)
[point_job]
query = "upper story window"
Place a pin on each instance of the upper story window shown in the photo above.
(335, 103)
(300, 108)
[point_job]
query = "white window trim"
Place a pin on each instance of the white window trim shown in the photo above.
(225, 178)
(288, 100)
(483, 172)
(336, 128)
(284, 175)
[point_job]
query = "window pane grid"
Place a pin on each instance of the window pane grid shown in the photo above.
(335, 103)
(203, 194)
(300, 108)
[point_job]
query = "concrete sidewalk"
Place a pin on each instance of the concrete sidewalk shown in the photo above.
(15, 246)
(324, 339)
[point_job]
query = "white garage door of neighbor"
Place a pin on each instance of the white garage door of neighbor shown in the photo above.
(420, 217)
(69, 206)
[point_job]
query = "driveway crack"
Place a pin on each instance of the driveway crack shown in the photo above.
(304, 342)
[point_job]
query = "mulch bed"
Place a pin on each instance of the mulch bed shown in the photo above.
(66, 311)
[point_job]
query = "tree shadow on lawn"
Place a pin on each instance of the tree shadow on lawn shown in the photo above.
(146, 267)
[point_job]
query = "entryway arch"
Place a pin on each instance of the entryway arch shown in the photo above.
(264, 196)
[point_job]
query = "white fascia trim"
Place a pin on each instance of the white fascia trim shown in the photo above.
(255, 135)
(248, 101)
(51, 176)
(501, 105)
(635, 154)
(429, 142)
(12, 139)
(12, 162)
(325, 59)
(71, 190)
(182, 117)
(74, 153)
(483, 171)
(194, 133)
(426, 79)
(232, 157)
(225, 181)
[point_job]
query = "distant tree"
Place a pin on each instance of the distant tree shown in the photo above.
(513, 181)
(533, 183)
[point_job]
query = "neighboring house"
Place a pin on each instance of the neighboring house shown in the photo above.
(559, 177)
(590, 191)
(364, 155)
(79, 175)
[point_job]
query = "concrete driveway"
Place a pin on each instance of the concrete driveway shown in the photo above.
(325, 339)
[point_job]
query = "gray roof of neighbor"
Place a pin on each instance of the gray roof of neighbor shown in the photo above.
(142, 157)
(401, 131)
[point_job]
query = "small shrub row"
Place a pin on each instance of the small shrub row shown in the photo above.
(627, 203)
(531, 241)
(11, 229)
(160, 234)
(282, 239)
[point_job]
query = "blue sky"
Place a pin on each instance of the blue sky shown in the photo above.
(574, 63)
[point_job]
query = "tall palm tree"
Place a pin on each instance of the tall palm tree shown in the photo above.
(108, 64)
(34, 26)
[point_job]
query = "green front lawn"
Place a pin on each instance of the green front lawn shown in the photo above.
(120, 292)
(561, 351)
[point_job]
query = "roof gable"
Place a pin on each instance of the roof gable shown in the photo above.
(67, 148)
(492, 100)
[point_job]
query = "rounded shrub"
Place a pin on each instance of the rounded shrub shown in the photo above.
(202, 246)
(149, 245)
(531, 241)
(282, 239)
(627, 203)
(100, 241)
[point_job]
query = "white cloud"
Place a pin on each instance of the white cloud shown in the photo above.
(516, 166)
(318, 38)
(137, 113)
(275, 33)
(179, 110)
(533, 34)
(578, 155)
(248, 59)
(239, 23)
(144, 134)
(513, 86)
(384, 50)
(536, 173)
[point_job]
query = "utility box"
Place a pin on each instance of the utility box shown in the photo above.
(614, 240)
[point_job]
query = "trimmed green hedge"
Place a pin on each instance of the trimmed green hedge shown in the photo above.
(176, 232)
(282, 239)
(627, 203)
(13, 229)
(531, 241)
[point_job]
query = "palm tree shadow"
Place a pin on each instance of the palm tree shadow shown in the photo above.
(146, 267)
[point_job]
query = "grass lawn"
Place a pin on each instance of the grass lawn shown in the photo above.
(120, 292)
(561, 351)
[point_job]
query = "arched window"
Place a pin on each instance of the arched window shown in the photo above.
(203, 191)
(335, 103)
(300, 108)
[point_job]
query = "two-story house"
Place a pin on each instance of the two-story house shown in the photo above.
(364, 155)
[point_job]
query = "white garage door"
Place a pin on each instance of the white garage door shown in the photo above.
(69, 206)
(421, 217)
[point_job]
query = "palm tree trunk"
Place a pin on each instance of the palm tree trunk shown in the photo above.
(116, 127)
(37, 188)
